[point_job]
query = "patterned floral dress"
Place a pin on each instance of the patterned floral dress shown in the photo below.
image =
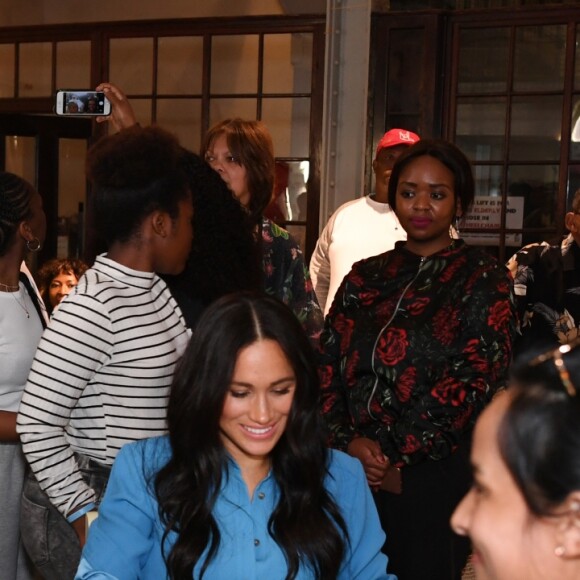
(287, 278)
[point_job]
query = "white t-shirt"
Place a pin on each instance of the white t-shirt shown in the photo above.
(19, 337)
(358, 229)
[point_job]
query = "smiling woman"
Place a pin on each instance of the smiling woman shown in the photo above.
(244, 485)
(523, 510)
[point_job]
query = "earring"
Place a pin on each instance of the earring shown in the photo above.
(33, 245)
(559, 551)
(454, 228)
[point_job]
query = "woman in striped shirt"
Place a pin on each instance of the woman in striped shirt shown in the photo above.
(102, 372)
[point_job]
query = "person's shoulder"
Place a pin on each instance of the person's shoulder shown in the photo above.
(151, 453)
(278, 237)
(342, 467)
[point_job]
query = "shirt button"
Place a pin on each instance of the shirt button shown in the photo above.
(261, 495)
(256, 542)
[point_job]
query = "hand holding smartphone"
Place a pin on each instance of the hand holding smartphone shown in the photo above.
(82, 103)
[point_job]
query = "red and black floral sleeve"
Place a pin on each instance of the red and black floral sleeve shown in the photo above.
(414, 348)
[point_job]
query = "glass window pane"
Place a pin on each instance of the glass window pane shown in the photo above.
(483, 60)
(405, 53)
(289, 198)
(540, 58)
(21, 156)
(234, 64)
(7, 56)
(535, 128)
(182, 117)
(485, 216)
(220, 109)
(538, 186)
(131, 65)
(488, 180)
(573, 184)
(575, 130)
(287, 63)
(35, 69)
(481, 128)
(577, 59)
(297, 189)
(180, 65)
(289, 123)
(73, 65)
(72, 195)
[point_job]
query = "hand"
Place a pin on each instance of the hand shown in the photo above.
(80, 527)
(374, 462)
(392, 482)
(122, 115)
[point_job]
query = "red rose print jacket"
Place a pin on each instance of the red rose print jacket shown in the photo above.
(413, 348)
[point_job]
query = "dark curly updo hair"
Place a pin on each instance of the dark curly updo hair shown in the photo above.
(15, 196)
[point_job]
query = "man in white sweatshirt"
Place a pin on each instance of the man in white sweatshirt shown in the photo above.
(360, 228)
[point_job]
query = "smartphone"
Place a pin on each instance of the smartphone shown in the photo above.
(81, 103)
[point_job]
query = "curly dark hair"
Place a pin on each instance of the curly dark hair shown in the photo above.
(15, 196)
(134, 173)
(53, 268)
(251, 144)
(306, 523)
(225, 255)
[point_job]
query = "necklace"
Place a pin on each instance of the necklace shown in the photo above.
(8, 287)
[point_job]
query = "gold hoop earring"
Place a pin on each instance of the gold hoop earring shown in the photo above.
(33, 245)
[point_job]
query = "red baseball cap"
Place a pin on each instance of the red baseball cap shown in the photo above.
(396, 137)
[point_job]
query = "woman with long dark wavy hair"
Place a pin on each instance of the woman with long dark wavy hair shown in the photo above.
(243, 486)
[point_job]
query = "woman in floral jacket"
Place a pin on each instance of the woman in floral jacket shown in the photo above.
(416, 344)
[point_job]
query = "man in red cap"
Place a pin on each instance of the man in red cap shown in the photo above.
(360, 228)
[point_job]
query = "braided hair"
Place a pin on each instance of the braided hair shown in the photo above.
(15, 196)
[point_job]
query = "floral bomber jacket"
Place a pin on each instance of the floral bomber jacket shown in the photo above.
(414, 348)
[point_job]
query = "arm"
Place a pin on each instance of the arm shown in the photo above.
(122, 536)
(74, 346)
(122, 115)
(447, 410)
(320, 265)
(8, 427)
(364, 559)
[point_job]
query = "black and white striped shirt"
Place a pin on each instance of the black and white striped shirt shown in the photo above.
(100, 377)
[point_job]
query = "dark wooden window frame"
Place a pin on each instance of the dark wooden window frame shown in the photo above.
(99, 34)
(439, 94)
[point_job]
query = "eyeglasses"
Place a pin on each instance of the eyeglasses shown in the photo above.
(557, 357)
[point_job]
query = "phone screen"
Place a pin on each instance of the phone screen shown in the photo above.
(79, 102)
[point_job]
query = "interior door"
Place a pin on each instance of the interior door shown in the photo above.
(49, 152)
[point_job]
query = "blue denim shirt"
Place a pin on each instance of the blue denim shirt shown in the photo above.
(125, 540)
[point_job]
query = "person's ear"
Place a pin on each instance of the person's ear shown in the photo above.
(375, 162)
(161, 223)
(25, 231)
(568, 532)
(458, 208)
(570, 222)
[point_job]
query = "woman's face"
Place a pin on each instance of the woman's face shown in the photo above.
(426, 204)
(509, 542)
(258, 403)
(60, 286)
(221, 160)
